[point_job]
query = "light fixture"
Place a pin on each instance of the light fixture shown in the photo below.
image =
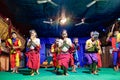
(6, 19)
(63, 21)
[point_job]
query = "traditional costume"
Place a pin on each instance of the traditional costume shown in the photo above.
(91, 51)
(14, 53)
(64, 56)
(116, 49)
(71, 51)
(115, 46)
(33, 55)
(75, 54)
(99, 55)
(55, 51)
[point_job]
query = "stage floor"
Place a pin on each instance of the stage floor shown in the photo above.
(48, 74)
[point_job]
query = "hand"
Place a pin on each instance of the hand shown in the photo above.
(110, 34)
(89, 47)
(99, 52)
(65, 41)
(31, 38)
(14, 47)
(56, 49)
(29, 43)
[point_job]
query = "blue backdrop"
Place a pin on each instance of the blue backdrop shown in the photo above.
(46, 43)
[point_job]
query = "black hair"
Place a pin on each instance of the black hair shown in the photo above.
(13, 33)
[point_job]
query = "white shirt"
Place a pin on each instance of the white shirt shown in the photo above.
(61, 43)
(36, 41)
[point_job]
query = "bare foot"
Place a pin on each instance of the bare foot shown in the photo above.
(16, 71)
(66, 74)
(37, 73)
(13, 72)
(32, 74)
(73, 70)
(31, 71)
(95, 73)
(54, 70)
(115, 68)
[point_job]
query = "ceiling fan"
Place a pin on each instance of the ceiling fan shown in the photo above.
(80, 23)
(46, 1)
(93, 2)
(50, 21)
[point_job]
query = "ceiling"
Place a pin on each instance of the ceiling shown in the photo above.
(28, 14)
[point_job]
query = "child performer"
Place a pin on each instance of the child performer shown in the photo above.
(116, 48)
(99, 65)
(92, 48)
(33, 54)
(75, 54)
(55, 51)
(14, 45)
(63, 58)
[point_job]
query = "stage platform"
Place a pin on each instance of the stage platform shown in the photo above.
(48, 74)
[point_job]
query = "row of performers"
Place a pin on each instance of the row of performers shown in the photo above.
(64, 52)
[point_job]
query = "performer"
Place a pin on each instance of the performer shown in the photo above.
(71, 51)
(116, 48)
(14, 45)
(33, 54)
(0, 45)
(75, 54)
(99, 65)
(55, 51)
(63, 58)
(92, 48)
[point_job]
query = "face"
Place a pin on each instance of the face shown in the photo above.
(91, 34)
(14, 35)
(115, 33)
(64, 34)
(57, 41)
(92, 37)
(33, 33)
(76, 40)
